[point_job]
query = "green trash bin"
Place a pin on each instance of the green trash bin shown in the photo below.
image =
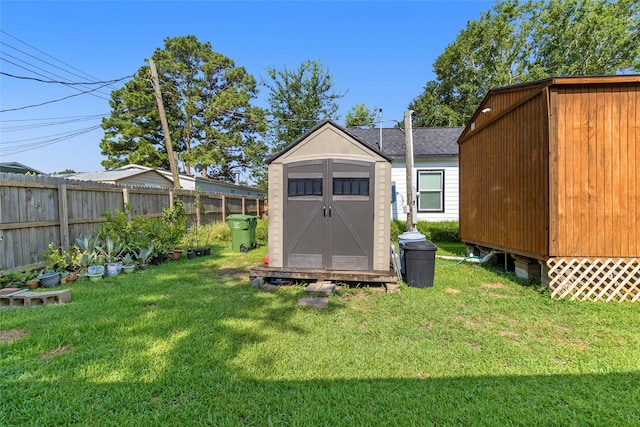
(243, 231)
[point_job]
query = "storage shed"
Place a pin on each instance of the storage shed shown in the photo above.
(550, 174)
(329, 206)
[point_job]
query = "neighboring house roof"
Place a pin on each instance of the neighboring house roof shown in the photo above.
(15, 167)
(195, 180)
(320, 124)
(115, 175)
(427, 141)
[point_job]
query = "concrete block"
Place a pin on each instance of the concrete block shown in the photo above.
(527, 269)
(325, 288)
(33, 299)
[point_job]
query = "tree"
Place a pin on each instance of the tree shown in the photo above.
(298, 99)
(516, 42)
(361, 116)
(207, 99)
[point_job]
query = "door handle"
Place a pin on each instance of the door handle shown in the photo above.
(324, 210)
(329, 211)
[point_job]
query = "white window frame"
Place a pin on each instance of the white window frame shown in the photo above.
(439, 191)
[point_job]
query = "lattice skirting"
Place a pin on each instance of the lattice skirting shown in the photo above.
(595, 279)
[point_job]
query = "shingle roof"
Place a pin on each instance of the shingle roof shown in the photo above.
(427, 142)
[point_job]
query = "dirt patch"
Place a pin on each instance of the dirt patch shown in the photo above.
(493, 294)
(509, 334)
(232, 273)
(563, 327)
(57, 352)
(451, 291)
(494, 286)
(475, 325)
(427, 327)
(11, 335)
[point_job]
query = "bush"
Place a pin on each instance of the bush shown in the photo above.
(397, 228)
(440, 231)
(262, 232)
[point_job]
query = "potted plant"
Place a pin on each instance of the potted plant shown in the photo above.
(56, 262)
(128, 264)
(111, 250)
(90, 260)
(143, 255)
(31, 279)
(191, 235)
(49, 278)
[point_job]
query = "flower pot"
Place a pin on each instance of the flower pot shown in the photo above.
(177, 254)
(49, 280)
(112, 270)
(73, 276)
(95, 269)
(143, 266)
(206, 251)
(33, 284)
(94, 277)
(191, 254)
(128, 269)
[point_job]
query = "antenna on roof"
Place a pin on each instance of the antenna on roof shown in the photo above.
(380, 129)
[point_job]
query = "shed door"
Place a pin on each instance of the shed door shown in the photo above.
(328, 217)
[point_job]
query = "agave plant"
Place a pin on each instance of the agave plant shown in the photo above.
(144, 254)
(111, 249)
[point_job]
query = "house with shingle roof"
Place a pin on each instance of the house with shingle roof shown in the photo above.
(435, 169)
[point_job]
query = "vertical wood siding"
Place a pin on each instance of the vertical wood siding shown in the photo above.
(597, 187)
(503, 176)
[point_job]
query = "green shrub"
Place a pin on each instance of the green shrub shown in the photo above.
(262, 231)
(397, 228)
(440, 231)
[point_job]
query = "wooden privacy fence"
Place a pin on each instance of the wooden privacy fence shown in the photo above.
(36, 210)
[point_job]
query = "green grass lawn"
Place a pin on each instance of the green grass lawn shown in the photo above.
(190, 342)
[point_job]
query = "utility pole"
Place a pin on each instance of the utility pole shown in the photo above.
(408, 141)
(165, 126)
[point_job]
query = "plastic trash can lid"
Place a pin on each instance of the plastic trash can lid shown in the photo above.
(241, 217)
(424, 245)
(411, 235)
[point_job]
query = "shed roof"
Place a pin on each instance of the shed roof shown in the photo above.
(545, 83)
(320, 124)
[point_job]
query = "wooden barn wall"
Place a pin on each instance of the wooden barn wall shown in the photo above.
(595, 178)
(35, 211)
(503, 176)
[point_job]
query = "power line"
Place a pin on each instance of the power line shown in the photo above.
(65, 83)
(52, 57)
(35, 145)
(23, 127)
(52, 101)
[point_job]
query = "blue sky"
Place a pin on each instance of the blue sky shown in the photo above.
(380, 52)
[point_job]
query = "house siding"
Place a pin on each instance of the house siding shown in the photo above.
(451, 187)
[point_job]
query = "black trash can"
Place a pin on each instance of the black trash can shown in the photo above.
(420, 259)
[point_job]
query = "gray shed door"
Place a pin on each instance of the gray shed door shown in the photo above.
(328, 215)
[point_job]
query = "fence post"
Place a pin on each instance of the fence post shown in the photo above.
(63, 213)
(125, 200)
(243, 212)
(224, 209)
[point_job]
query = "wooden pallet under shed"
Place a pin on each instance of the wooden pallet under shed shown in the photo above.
(266, 273)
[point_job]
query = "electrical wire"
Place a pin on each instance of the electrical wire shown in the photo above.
(52, 101)
(35, 145)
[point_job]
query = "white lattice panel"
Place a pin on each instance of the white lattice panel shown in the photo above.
(594, 279)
